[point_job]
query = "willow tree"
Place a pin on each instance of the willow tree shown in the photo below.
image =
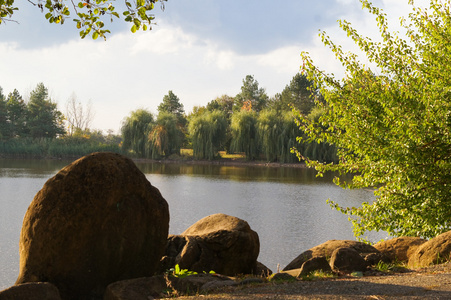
(321, 151)
(269, 124)
(208, 133)
(135, 130)
(277, 133)
(166, 137)
(392, 122)
(288, 138)
(245, 133)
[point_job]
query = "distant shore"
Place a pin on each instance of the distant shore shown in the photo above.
(222, 161)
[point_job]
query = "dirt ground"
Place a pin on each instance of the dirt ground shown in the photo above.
(427, 283)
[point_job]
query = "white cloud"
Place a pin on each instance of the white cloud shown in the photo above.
(132, 71)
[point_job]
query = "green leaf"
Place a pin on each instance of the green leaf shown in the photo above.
(133, 29)
(95, 35)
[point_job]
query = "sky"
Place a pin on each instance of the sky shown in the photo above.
(199, 49)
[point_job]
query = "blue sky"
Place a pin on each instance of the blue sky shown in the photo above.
(199, 49)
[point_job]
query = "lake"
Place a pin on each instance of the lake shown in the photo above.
(285, 206)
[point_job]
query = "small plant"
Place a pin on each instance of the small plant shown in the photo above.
(318, 275)
(182, 273)
(389, 267)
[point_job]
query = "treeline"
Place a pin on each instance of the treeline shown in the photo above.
(36, 128)
(252, 123)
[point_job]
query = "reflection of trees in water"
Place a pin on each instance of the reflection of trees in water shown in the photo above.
(238, 173)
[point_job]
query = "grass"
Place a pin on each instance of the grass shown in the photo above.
(318, 275)
(188, 154)
(389, 267)
(224, 154)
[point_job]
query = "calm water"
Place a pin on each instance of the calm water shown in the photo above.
(285, 206)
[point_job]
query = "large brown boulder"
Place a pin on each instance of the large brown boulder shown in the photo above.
(399, 249)
(434, 251)
(222, 243)
(326, 249)
(347, 260)
(97, 221)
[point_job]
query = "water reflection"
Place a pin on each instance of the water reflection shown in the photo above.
(237, 173)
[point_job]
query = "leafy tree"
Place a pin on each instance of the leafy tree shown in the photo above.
(277, 134)
(90, 15)
(208, 133)
(393, 129)
(44, 120)
(251, 95)
(321, 151)
(297, 94)
(166, 137)
(3, 115)
(270, 129)
(223, 103)
(135, 130)
(244, 133)
(17, 115)
(171, 104)
(288, 139)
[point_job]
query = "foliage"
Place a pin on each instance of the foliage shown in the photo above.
(278, 134)
(392, 124)
(321, 151)
(180, 273)
(43, 118)
(135, 130)
(318, 275)
(171, 104)
(73, 147)
(17, 115)
(208, 133)
(298, 94)
(270, 129)
(245, 134)
(224, 103)
(251, 95)
(90, 14)
(3, 115)
(166, 137)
